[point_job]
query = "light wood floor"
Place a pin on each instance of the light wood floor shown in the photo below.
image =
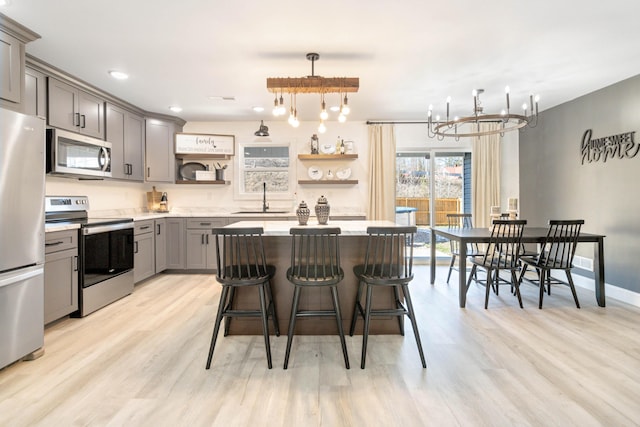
(140, 362)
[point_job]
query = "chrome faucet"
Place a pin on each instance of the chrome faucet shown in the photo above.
(265, 205)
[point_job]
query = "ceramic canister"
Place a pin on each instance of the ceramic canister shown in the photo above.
(322, 210)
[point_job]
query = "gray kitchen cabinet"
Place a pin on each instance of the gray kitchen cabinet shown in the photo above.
(201, 247)
(73, 109)
(35, 93)
(159, 156)
(143, 250)
(125, 131)
(161, 244)
(13, 38)
(175, 243)
(60, 274)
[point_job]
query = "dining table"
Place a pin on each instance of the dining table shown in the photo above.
(465, 236)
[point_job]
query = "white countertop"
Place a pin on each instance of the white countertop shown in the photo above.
(281, 228)
(49, 228)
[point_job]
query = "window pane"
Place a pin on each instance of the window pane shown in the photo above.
(266, 157)
(277, 182)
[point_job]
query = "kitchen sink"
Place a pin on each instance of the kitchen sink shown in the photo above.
(260, 212)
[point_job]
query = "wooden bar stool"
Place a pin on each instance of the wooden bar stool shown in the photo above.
(241, 263)
(388, 263)
(315, 262)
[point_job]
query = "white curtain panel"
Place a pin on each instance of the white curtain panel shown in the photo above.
(485, 172)
(382, 172)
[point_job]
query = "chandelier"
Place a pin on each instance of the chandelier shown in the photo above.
(311, 84)
(469, 126)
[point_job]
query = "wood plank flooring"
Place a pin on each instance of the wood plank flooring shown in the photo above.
(141, 362)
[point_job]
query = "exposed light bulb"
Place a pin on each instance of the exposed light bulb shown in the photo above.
(322, 128)
(323, 114)
(345, 106)
(342, 118)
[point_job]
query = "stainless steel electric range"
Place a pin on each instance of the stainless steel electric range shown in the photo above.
(105, 252)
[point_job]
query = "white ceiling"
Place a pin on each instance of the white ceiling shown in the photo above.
(408, 53)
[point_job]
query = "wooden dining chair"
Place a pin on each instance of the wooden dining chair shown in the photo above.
(241, 263)
(502, 253)
(456, 221)
(556, 253)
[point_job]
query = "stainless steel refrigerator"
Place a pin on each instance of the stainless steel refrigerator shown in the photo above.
(22, 187)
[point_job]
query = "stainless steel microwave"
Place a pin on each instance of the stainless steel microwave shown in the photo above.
(70, 153)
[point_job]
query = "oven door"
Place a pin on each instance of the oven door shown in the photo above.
(107, 251)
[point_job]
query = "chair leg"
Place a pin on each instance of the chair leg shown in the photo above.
(292, 324)
(216, 328)
(489, 285)
(573, 288)
(471, 275)
(542, 274)
(265, 324)
(357, 309)
(453, 260)
(396, 295)
(229, 306)
(414, 323)
(516, 285)
(336, 307)
(272, 308)
(367, 319)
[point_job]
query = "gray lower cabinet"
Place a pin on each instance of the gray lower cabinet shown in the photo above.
(60, 274)
(201, 247)
(161, 244)
(143, 250)
(73, 109)
(175, 243)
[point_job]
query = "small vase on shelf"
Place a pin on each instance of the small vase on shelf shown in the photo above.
(322, 210)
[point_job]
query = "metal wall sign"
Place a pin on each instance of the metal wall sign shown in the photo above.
(198, 143)
(621, 146)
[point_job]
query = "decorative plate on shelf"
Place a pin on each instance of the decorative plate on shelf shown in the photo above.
(315, 173)
(327, 148)
(343, 173)
(188, 170)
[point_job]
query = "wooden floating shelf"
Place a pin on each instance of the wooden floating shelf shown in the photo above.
(192, 156)
(204, 182)
(328, 181)
(327, 156)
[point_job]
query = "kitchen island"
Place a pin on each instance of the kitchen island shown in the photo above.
(277, 243)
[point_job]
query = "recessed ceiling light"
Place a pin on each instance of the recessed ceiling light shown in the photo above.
(334, 108)
(5, 3)
(118, 75)
(222, 98)
(258, 109)
(175, 108)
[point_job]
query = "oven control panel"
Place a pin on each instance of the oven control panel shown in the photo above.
(66, 203)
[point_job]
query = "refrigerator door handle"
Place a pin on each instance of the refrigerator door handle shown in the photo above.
(11, 279)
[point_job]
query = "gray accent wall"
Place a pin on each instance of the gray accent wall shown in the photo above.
(555, 185)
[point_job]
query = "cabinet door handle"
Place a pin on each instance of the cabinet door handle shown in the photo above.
(136, 249)
(76, 119)
(207, 238)
(126, 169)
(130, 169)
(202, 239)
(148, 172)
(145, 227)
(158, 233)
(54, 243)
(205, 223)
(75, 263)
(84, 121)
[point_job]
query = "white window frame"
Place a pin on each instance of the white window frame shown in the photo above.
(239, 192)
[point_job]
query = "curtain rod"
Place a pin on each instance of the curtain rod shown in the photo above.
(396, 123)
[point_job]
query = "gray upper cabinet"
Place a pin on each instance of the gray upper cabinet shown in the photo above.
(160, 160)
(125, 131)
(73, 109)
(13, 38)
(10, 58)
(35, 93)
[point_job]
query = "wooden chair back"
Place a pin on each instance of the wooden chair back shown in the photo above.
(315, 256)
